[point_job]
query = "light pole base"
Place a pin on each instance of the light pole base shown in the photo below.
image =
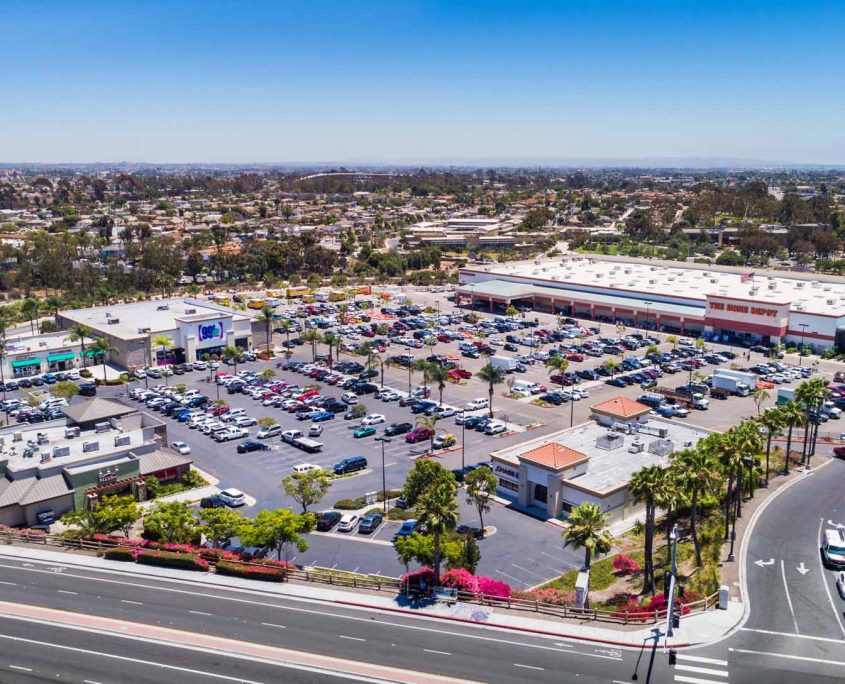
(731, 558)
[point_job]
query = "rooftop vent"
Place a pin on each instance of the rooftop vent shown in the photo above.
(71, 432)
(46, 457)
(800, 283)
(102, 427)
(636, 447)
(60, 451)
(143, 331)
(190, 311)
(88, 447)
(162, 307)
(610, 441)
(122, 440)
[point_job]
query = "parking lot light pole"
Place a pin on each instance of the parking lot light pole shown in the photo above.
(463, 440)
(803, 327)
(383, 472)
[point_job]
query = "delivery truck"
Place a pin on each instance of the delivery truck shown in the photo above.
(507, 363)
(734, 382)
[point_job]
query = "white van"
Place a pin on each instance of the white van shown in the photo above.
(833, 548)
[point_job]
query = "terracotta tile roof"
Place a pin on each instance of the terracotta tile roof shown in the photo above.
(554, 455)
(622, 407)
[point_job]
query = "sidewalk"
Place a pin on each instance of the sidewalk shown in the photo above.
(695, 629)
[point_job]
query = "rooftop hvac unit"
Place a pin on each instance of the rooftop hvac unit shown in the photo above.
(60, 451)
(162, 307)
(102, 427)
(610, 441)
(826, 288)
(636, 447)
(687, 444)
(652, 281)
(143, 331)
(17, 436)
(800, 284)
(815, 283)
(71, 432)
(88, 447)
(122, 440)
(46, 457)
(831, 302)
(773, 286)
(112, 321)
(799, 307)
(661, 447)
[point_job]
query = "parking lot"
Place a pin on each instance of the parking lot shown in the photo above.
(524, 551)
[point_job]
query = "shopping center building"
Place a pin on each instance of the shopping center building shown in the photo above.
(101, 448)
(592, 462)
(194, 328)
(689, 300)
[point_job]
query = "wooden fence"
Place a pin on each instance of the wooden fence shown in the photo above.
(340, 578)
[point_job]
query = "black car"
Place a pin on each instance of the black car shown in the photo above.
(328, 520)
(213, 501)
(367, 374)
(617, 382)
(88, 390)
(25, 382)
(552, 398)
(350, 465)
(252, 445)
(397, 429)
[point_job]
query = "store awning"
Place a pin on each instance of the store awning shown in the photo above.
(66, 356)
(26, 362)
(93, 352)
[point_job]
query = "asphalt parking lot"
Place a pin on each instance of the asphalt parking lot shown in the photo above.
(524, 551)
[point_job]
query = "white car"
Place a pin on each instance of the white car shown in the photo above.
(496, 341)
(180, 447)
(305, 468)
(140, 374)
(231, 433)
(244, 421)
(269, 431)
(233, 497)
(475, 404)
(373, 419)
(840, 583)
(200, 365)
(347, 523)
(389, 395)
(494, 427)
(315, 430)
(443, 412)
(349, 398)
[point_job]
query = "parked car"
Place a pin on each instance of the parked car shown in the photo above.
(373, 419)
(213, 501)
(419, 434)
(327, 520)
(347, 522)
(407, 529)
(269, 431)
(369, 523)
(364, 431)
(302, 468)
(350, 465)
(233, 497)
(397, 429)
(251, 445)
(180, 447)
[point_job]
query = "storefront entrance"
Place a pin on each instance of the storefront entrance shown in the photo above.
(61, 362)
(25, 368)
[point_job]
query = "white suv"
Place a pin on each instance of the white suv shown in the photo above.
(475, 404)
(233, 497)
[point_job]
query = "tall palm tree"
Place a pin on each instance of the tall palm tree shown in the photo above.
(29, 308)
(670, 497)
(312, 336)
(811, 394)
(53, 304)
(437, 511)
(163, 343)
(773, 422)
(492, 376)
(556, 364)
(424, 367)
(267, 319)
(644, 488)
(101, 347)
(611, 365)
(287, 325)
(429, 422)
(586, 529)
(232, 354)
(793, 417)
(332, 341)
(698, 474)
(438, 376)
(77, 333)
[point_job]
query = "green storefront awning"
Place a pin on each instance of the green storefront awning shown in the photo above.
(26, 362)
(67, 356)
(93, 352)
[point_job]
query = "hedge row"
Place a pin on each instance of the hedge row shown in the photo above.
(168, 559)
(120, 554)
(265, 573)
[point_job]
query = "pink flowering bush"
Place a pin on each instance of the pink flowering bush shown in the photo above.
(660, 602)
(460, 579)
(487, 586)
(414, 578)
(554, 597)
(633, 612)
(625, 565)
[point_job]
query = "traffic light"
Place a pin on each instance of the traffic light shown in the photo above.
(667, 580)
(673, 657)
(676, 620)
(681, 591)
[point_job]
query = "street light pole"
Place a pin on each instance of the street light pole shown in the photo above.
(383, 472)
(803, 327)
(463, 440)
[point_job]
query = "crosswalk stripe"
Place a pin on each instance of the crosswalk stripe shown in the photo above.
(702, 659)
(702, 670)
(693, 680)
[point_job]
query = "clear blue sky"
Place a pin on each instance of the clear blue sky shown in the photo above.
(418, 81)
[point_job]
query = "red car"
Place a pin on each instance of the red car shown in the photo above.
(575, 356)
(443, 338)
(418, 435)
(459, 374)
(220, 410)
(305, 395)
(839, 452)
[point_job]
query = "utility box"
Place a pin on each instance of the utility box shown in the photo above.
(724, 597)
(582, 589)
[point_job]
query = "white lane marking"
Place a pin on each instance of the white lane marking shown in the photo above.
(563, 645)
(270, 624)
(134, 603)
(199, 612)
(351, 638)
(11, 584)
(90, 681)
(18, 667)
(529, 667)
(824, 581)
(789, 634)
(263, 604)
(702, 670)
(431, 650)
(693, 680)
(790, 657)
(788, 599)
(65, 591)
(619, 681)
(702, 659)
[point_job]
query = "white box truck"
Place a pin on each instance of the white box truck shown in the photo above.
(735, 382)
(506, 363)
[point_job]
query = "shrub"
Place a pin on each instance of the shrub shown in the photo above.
(401, 514)
(625, 565)
(414, 578)
(257, 572)
(555, 597)
(109, 539)
(621, 598)
(659, 602)
(633, 612)
(460, 579)
(487, 586)
(391, 494)
(169, 559)
(351, 504)
(217, 555)
(119, 554)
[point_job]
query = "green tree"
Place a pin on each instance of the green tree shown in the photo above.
(438, 375)
(420, 548)
(279, 528)
(112, 513)
(492, 376)
(220, 524)
(773, 422)
(312, 337)
(759, 396)
(793, 417)
(332, 340)
(586, 529)
(437, 512)
(87, 522)
(643, 488)
(698, 474)
(163, 343)
(511, 310)
(172, 521)
(481, 488)
(78, 333)
(29, 308)
(470, 554)
(102, 347)
(556, 364)
(671, 339)
(231, 353)
(266, 318)
(425, 368)
(307, 488)
(286, 326)
(65, 389)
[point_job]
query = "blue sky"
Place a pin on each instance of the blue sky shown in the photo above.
(399, 81)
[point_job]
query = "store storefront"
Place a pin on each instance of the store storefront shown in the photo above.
(25, 367)
(61, 361)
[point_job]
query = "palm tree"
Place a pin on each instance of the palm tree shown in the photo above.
(437, 511)
(556, 364)
(793, 417)
(287, 325)
(585, 529)
(644, 488)
(232, 354)
(759, 396)
(811, 394)
(773, 422)
(101, 347)
(313, 337)
(438, 376)
(332, 340)
(163, 342)
(53, 304)
(670, 497)
(698, 474)
(492, 376)
(611, 365)
(29, 308)
(429, 422)
(671, 339)
(267, 318)
(424, 367)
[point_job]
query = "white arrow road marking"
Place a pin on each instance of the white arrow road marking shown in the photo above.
(802, 569)
(763, 563)
(835, 524)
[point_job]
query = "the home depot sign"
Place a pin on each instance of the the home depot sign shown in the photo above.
(723, 312)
